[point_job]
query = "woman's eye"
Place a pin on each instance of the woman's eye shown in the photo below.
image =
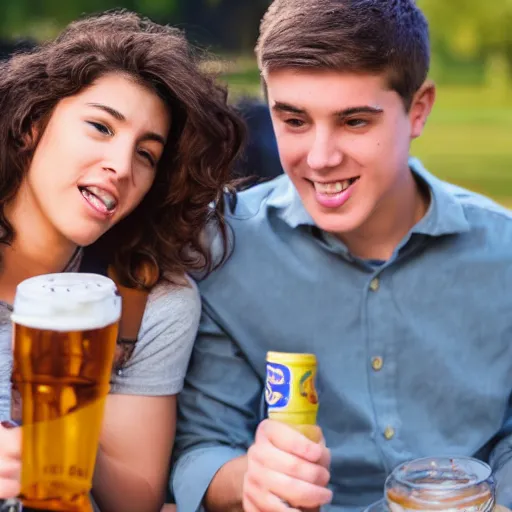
(148, 157)
(102, 128)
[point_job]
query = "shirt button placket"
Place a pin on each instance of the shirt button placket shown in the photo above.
(377, 363)
(389, 433)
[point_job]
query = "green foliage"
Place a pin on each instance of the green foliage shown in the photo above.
(470, 30)
(40, 19)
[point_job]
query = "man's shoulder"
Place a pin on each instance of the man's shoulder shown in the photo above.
(251, 205)
(488, 220)
(254, 227)
(479, 206)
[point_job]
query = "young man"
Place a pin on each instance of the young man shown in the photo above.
(398, 282)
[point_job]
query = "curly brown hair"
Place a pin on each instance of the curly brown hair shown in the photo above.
(166, 229)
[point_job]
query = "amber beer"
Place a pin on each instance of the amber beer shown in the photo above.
(65, 330)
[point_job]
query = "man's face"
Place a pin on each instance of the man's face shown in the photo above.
(344, 142)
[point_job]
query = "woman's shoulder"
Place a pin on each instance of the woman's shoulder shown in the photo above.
(172, 301)
(164, 344)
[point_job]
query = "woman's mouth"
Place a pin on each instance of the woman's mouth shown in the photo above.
(334, 193)
(99, 199)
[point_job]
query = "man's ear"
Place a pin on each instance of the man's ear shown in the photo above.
(421, 106)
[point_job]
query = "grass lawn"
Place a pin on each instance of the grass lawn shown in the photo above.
(468, 139)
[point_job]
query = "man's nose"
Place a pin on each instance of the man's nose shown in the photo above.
(325, 152)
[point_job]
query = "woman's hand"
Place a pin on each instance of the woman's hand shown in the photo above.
(10, 461)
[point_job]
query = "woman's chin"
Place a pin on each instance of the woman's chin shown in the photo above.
(84, 239)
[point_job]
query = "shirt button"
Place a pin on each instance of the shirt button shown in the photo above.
(389, 433)
(377, 363)
(374, 284)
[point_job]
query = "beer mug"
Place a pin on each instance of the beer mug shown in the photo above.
(438, 484)
(65, 329)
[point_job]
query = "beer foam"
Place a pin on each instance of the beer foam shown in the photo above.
(66, 302)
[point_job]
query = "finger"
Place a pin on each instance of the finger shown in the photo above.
(260, 500)
(287, 439)
(248, 505)
(9, 488)
(295, 492)
(10, 442)
(325, 458)
(270, 457)
(10, 469)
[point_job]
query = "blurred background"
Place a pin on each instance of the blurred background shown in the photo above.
(469, 136)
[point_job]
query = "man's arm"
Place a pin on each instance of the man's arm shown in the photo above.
(225, 491)
(219, 410)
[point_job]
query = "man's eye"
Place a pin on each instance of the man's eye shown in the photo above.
(102, 128)
(294, 123)
(356, 123)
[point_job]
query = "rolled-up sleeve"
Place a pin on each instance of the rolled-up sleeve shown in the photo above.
(501, 463)
(195, 470)
(219, 410)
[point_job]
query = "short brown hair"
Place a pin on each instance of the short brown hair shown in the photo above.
(206, 135)
(359, 36)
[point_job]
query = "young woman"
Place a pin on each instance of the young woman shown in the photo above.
(111, 135)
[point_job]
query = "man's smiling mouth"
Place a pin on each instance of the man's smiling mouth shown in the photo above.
(333, 187)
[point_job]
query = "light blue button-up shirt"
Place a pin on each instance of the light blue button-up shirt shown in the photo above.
(438, 314)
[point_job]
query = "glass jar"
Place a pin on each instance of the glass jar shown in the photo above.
(461, 484)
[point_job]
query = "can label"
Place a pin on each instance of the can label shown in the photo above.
(278, 387)
(307, 387)
(290, 388)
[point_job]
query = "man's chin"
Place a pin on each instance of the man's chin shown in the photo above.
(335, 227)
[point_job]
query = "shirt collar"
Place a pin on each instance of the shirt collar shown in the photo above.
(444, 216)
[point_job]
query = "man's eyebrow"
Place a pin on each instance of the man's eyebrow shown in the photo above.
(109, 110)
(279, 106)
(363, 109)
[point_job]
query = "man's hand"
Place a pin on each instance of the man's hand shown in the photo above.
(285, 469)
(10, 462)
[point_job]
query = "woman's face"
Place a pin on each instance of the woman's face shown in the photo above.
(97, 158)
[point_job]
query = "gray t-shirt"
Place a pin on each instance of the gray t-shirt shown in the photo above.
(159, 361)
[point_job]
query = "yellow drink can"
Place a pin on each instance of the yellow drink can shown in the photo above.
(290, 390)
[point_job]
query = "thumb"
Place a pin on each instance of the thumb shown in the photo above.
(10, 442)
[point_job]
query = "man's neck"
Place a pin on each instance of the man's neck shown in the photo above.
(37, 247)
(390, 222)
